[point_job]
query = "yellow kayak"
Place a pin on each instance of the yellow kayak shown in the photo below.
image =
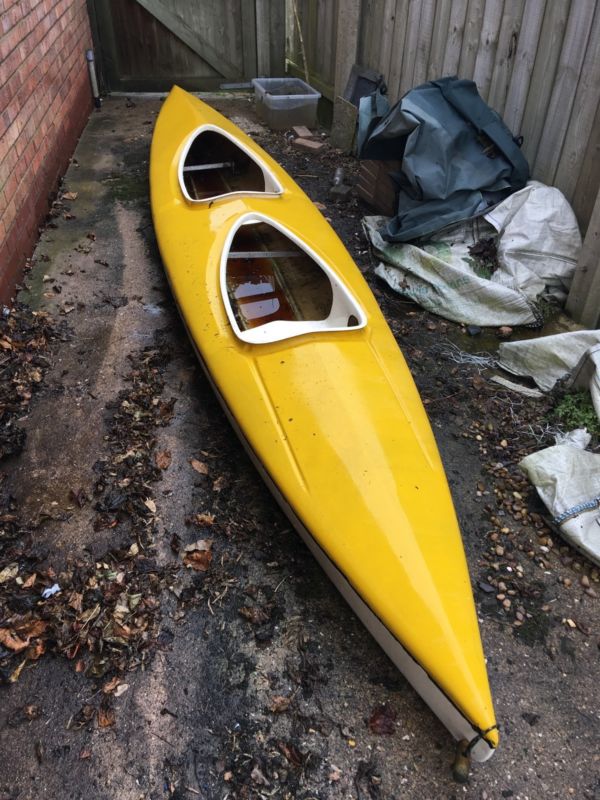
(311, 377)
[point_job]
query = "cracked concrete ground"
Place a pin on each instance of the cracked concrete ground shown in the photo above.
(203, 720)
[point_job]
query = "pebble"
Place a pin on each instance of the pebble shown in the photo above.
(585, 581)
(499, 550)
(503, 443)
(507, 603)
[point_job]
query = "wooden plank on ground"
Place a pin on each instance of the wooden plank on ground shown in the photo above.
(583, 302)
(192, 38)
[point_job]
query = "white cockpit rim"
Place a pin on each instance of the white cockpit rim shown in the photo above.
(344, 312)
(273, 187)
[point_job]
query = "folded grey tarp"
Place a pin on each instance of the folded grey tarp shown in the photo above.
(458, 157)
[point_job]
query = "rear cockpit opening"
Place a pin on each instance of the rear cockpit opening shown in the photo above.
(215, 166)
(274, 288)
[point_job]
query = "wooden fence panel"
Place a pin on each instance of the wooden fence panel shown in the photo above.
(537, 62)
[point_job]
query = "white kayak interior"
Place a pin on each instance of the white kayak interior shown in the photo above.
(214, 164)
(275, 287)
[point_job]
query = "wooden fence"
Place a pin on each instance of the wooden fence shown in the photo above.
(537, 62)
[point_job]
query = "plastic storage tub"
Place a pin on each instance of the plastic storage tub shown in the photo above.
(284, 102)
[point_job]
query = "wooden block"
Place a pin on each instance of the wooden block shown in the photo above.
(302, 132)
(376, 187)
(308, 144)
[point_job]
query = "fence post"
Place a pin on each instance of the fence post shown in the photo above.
(346, 52)
(583, 302)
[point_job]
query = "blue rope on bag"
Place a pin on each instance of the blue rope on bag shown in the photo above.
(590, 505)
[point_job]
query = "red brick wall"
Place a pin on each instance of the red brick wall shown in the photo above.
(45, 100)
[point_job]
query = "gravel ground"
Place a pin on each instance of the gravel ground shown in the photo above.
(220, 662)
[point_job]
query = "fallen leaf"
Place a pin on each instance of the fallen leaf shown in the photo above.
(79, 496)
(76, 601)
(17, 673)
(255, 615)
(258, 777)
(163, 459)
(280, 704)
(32, 628)
(383, 720)
(106, 717)
(198, 555)
(8, 573)
(204, 520)
(292, 754)
(219, 484)
(70, 196)
(31, 711)
(199, 466)
(150, 505)
(35, 650)
(121, 689)
(85, 753)
(27, 584)
(111, 685)
(12, 642)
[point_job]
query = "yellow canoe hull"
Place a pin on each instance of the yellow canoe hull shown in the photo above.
(335, 423)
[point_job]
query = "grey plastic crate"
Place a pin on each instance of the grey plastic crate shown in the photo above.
(284, 102)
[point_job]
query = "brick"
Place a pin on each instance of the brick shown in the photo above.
(302, 132)
(308, 144)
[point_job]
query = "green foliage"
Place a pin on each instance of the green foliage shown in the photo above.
(576, 410)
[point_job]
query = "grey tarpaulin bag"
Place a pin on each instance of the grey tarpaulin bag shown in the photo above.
(458, 157)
